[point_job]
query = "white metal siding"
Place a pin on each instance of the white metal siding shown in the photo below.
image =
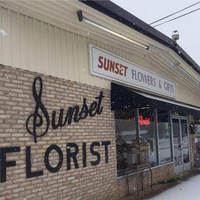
(38, 46)
(34, 45)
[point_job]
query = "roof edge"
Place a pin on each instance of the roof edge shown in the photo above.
(114, 11)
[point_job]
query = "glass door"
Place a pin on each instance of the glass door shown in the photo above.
(185, 145)
(181, 144)
(177, 146)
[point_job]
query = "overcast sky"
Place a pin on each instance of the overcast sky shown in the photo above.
(187, 26)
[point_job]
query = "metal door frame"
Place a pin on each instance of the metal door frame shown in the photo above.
(187, 166)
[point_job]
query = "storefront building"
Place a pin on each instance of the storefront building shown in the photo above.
(94, 103)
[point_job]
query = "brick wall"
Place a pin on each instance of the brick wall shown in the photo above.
(81, 180)
(17, 104)
(143, 180)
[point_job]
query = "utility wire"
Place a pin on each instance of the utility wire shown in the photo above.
(177, 17)
(174, 13)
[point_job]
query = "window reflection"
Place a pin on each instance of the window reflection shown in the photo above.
(138, 140)
(185, 146)
(177, 142)
(148, 133)
(125, 127)
(165, 150)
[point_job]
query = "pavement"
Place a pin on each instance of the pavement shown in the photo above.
(165, 185)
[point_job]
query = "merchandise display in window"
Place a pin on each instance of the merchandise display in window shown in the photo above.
(125, 126)
(148, 133)
(143, 139)
(132, 151)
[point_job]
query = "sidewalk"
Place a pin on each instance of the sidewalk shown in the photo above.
(182, 185)
(187, 190)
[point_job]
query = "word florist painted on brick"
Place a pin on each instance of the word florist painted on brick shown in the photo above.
(41, 117)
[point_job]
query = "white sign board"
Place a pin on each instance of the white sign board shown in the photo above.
(112, 67)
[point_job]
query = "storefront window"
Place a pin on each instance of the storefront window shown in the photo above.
(165, 143)
(125, 127)
(143, 139)
(148, 133)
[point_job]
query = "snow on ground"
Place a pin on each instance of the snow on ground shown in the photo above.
(187, 190)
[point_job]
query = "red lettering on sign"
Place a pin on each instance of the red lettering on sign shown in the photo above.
(144, 121)
(112, 66)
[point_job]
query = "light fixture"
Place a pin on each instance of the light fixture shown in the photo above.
(82, 18)
(188, 74)
(175, 36)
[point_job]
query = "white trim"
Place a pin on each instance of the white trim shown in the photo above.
(115, 33)
(167, 101)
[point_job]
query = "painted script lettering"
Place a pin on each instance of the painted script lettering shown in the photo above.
(41, 117)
